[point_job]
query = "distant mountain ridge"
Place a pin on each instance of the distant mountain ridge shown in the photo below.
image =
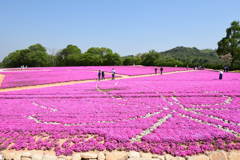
(193, 55)
(187, 51)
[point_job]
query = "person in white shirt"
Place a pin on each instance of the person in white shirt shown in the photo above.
(113, 74)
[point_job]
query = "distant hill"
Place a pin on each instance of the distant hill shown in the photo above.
(193, 56)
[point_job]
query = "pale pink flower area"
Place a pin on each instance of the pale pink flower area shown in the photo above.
(180, 114)
(16, 77)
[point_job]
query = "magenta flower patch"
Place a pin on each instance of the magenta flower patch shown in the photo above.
(181, 114)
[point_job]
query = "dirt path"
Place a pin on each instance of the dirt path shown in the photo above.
(81, 81)
(1, 79)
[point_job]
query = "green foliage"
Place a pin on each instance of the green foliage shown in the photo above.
(167, 61)
(128, 60)
(99, 51)
(148, 59)
(89, 59)
(194, 57)
(111, 59)
(70, 49)
(73, 59)
(37, 47)
(230, 44)
(66, 55)
(34, 56)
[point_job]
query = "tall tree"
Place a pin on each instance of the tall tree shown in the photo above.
(99, 51)
(62, 57)
(128, 60)
(111, 59)
(37, 56)
(230, 44)
(89, 59)
(70, 49)
(37, 47)
(149, 58)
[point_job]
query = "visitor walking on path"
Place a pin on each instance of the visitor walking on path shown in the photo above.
(103, 75)
(155, 70)
(99, 75)
(221, 75)
(161, 70)
(113, 74)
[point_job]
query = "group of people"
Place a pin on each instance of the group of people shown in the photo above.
(23, 67)
(226, 69)
(199, 68)
(161, 70)
(101, 74)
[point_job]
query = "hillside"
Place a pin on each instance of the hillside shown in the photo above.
(193, 55)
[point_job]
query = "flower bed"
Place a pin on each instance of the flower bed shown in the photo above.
(137, 70)
(181, 114)
(44, 76)
(35, 76)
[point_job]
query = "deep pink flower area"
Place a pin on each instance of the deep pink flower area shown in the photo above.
(17, 77)
(35, 76)
(138, 70)
(181, 114)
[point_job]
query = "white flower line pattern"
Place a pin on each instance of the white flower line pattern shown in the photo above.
(175, 101)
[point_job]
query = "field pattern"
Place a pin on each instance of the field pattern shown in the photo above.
(181, 114)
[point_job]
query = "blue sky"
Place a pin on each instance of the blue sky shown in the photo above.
(126, 26)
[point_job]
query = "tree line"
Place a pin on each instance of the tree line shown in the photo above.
(36, 56)
(227, 54)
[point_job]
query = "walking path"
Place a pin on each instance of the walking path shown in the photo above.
(82, 81)
(1, 79)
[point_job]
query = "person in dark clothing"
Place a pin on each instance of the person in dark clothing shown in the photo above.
(225, 69)
(155, 70)
(220, 75)
(99, 75)
(161, 70)
(103, 75)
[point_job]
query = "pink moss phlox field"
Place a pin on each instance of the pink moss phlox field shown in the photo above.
(139, 70)
(37, 76)
(181, 114)
(17, 77)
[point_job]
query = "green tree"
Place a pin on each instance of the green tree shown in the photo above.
(148, 59)
(62, 57)
(99, 51)
(167, 61)
(37, 47)
(89, 59)
(14, 59)
(128, 60)
(51, 60)
(34, 56)
(230, 44)
(111, 59)
(74, 59)
(70, 49)
(37, 56)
